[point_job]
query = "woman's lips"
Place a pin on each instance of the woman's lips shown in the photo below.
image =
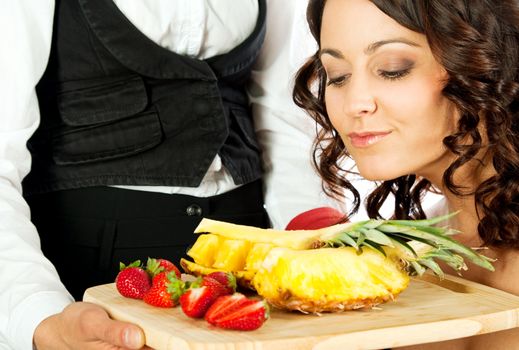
(366, 139)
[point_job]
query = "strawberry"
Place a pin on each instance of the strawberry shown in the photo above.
(201, 294)
(155, 266)
(218, 288)
(223, 306)
(132, 281)
(196, 301)
(250, 315)
(165, 290)
(225, 278)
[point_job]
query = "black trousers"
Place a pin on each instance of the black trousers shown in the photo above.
(87, 232)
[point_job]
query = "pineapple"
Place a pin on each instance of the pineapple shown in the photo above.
(203, 249)
(328, 279)
(341, 267)
(231, 255)
(256, 255)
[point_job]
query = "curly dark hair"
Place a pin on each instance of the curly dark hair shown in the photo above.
(477, 42)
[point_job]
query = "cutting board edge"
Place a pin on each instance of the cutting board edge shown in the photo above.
(473, 325)
(413, 334)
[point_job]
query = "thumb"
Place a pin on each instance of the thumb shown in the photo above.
(133, 337)
(118, 333)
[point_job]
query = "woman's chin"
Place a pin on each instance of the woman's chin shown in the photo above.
(377, 174)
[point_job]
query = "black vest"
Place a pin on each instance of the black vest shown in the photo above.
(118, 109)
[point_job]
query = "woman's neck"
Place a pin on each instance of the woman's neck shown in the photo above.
(466, 221)
(469, 176)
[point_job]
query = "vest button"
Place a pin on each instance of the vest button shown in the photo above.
(194, 210)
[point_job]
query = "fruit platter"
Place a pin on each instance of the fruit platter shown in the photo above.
(366, 285)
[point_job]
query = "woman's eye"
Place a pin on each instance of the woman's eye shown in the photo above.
(395, 74)
(337, 81)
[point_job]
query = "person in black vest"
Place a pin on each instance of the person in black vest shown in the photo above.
(145, 128)
(174, 131)
(138, 142)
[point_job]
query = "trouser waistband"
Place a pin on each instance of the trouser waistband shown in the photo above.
(118, 203)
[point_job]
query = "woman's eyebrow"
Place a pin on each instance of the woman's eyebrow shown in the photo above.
(374, 46)
(331, 52)
(370, 49)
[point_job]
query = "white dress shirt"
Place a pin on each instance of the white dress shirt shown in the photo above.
(200, 29)
(30, 289)
(284, 131)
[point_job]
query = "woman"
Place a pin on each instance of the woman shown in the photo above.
(423, 95)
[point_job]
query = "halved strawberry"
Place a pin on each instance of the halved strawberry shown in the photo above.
(195, 301)
(155, 266)
(247, 317)
(223, 306)
(132, 281)
(225, 278)
(201, 294)
(165, 291)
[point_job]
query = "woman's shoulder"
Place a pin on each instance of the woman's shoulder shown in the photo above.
(507, 265)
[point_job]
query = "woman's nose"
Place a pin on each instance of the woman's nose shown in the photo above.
(359, 100)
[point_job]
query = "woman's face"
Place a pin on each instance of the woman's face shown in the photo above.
(383, 92)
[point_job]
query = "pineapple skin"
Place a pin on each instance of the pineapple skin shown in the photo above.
(329, 279)
(243, 278)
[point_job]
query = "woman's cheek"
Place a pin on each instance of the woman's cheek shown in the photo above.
(333, 107)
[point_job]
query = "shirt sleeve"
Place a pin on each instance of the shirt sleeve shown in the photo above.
(30, 289)
(285, 132)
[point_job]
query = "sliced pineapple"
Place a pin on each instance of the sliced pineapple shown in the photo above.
(329, 279)
(204, 250)
(231, 255)
(341, 267)
(257, 254)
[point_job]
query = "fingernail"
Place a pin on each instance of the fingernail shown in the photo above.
(132, 338)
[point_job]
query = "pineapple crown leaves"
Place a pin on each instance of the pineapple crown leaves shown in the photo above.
(405, 236)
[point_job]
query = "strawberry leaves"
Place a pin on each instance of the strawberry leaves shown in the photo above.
(165, 291)
(155, 266)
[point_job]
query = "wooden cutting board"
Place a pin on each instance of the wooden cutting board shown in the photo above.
(428, 310)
